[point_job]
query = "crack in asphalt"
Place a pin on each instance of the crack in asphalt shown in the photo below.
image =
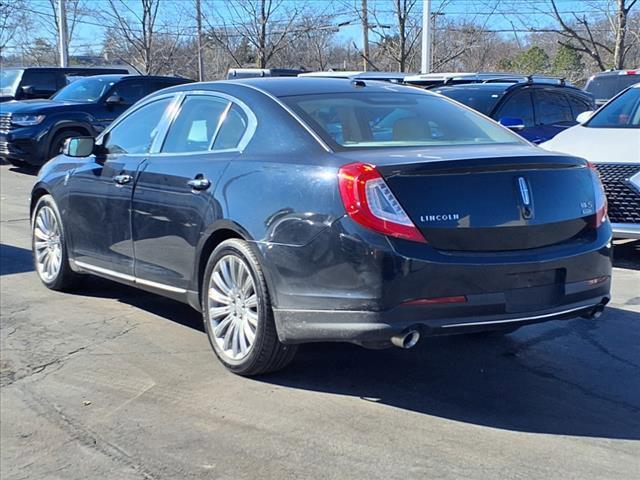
(10, 377)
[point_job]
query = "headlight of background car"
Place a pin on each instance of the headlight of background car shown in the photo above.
(26, 120)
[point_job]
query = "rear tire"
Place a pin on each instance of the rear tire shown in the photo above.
(237, 313)
(49, 247)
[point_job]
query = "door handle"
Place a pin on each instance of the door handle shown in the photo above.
(122, 179)
(199, 184)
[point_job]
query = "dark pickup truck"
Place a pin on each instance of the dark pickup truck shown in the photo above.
(42, 82)
(33, 131)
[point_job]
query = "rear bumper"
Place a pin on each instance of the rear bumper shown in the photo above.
(365, 327)
(353, 285)
(626, 230)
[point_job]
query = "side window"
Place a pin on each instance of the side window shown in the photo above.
(518, 106)
(135, 133)
(42, 82)
(130, 92)
(196, 124)
(578, 105)
(551, 108)
(232, 129)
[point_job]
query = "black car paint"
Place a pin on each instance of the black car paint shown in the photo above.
(32, 144)
(329, 278)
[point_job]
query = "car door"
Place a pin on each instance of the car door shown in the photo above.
(517, 105)
(552, 114)
(100, 191)
(173, 202)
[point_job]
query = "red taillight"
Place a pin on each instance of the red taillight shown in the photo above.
(601, 199)
(369, 201)
(632, 72)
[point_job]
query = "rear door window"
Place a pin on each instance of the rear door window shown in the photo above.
(578, 105)
(42, 82)
(518, 105)
(551, 108)
(232, 129)
(130, 92)
(196, 125)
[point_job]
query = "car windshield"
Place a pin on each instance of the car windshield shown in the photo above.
(478, 98)
(9, 80)
(621, 112)
(395, 119)
(85, 90)
(604, 87)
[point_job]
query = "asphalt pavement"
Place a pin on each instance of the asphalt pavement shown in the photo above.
(115, 383)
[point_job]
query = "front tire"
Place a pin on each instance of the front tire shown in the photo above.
(237, 313)
(58, 142)
(49, 246)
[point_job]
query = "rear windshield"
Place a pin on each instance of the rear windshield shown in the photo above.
(621, 112)
(478, 98)
(395, 119)
(604, 87)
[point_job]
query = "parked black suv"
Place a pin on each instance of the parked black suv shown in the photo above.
(536, 108)
(606, 85)
(42, 82)
(33, 131)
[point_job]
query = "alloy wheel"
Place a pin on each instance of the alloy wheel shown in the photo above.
(232, 303)
(47, 244)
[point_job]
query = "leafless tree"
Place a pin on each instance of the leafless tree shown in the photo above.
(398, 42)
(266, 25)
(12, 16)
(137, 37)
(602, 34)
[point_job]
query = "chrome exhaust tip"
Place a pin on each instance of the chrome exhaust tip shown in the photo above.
(595, 312)
(406, 340)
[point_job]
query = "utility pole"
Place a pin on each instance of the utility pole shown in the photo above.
(62, 34)
(199, 26)
(365, 35)
(426, 37)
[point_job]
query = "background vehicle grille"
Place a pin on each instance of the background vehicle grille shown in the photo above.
(5, 121)
(4, 147)
(624, 199)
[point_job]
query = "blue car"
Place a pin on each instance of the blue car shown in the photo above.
(536, 109)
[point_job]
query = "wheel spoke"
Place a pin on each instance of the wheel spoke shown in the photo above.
(252, 301)
(220, 283)
(252, 317)
(248, 331)
(217, 312)
(222, 326)
(218, 297)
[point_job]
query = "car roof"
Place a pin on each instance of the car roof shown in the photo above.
(356, 74)
(118, 77)
(504, 86)
(293, 86)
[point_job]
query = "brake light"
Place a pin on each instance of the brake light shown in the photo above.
(601, 199)
(369, 201)
(437, 301)
(630, 72)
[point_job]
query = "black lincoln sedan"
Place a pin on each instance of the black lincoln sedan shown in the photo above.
(293, 210)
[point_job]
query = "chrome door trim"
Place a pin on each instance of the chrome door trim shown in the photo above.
(126, 277)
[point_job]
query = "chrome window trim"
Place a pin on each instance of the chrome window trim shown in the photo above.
(287, 109)
(252, 124)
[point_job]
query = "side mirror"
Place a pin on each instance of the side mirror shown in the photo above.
(114, 100)
(27, 90)
(512, 123)
(79, 146)
(584, 116)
